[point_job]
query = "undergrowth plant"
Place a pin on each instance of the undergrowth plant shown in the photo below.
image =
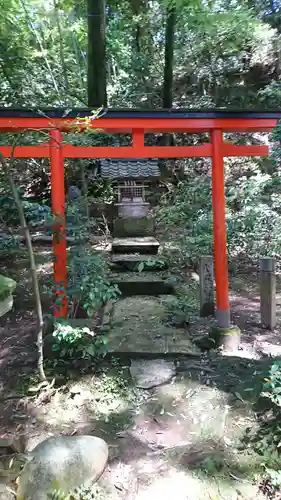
(272, 385)
(81, 493)
(266, 441)
(89, 289)
(183, 306)
(253, 212)
(89, 286)
(78, 342)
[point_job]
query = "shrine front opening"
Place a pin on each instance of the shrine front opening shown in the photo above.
(138, 123)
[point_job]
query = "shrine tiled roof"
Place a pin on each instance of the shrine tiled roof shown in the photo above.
(129, 169)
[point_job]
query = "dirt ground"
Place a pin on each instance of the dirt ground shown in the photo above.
(180, 439)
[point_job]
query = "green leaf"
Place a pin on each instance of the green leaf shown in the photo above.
(238, 396)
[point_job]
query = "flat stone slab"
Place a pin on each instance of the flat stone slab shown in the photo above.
(138, 326)
(151, 373)
(142, 245)
(132, 262)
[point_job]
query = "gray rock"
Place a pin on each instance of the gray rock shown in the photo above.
(64, 463)
(152, 373)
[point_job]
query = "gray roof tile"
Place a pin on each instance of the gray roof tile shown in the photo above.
(129, 169)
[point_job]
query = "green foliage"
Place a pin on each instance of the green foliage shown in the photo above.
(8, 242)
(84, 492)
(76, 342)
(253, 214)
(100, 190)
(266, 440)
(147, 264)
(35, 213)
(254, 225)
(272, 384)
(88, 269)
(185, 217)
(183, 306)
(271, 94)
(88, 282)
(224, 52)
(275, 477)
(7, 287)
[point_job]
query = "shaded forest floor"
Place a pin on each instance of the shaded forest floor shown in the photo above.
(181, 438)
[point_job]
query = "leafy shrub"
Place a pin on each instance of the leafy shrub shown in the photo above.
(185, 215)
(35, 213)
(272, 384)
(183, 306)
(253, 213)
(76, 342)
(88, 280)
(88, 285)
(267, 440)
(8, 242)
(254, 228)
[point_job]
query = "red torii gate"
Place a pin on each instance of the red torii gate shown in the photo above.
(137, 123)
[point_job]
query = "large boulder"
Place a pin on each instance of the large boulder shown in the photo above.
(62, 463)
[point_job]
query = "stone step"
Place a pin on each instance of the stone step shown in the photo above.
(142, 285)
(137, 262)
(139, 328)
(142, 245)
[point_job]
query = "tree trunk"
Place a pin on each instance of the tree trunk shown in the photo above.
(169, 58)
(96, 54)
(168, 139)
(35, 283)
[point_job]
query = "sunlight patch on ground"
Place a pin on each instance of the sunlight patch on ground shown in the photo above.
(44, 268)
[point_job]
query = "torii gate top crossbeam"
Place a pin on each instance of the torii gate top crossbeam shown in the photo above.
(124, 120)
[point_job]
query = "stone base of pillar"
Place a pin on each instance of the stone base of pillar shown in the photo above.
(228, 338)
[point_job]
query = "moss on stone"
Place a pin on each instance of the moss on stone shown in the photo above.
(218, 331)
(227, 337)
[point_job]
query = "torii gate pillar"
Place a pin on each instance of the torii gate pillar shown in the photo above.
(219, 223)
(59, 235)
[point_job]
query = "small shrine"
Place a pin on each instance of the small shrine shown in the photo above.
(132, 179)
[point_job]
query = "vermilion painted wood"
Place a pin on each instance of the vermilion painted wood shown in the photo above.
(219, 223)
(135, 151)
(124, 125)
(138, 151)
(138, 138)
(244, 150)
(138, 126)
(59, 237)
(42, 151)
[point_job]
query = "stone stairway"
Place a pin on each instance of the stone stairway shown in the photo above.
(134, 257)
(147, 245)
(138, 318)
